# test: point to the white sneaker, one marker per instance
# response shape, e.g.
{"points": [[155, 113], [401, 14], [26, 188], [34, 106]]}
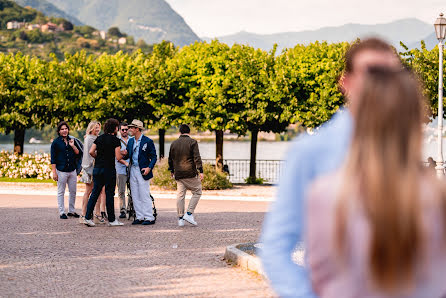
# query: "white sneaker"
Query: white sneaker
{"points": [[89, 223], [181, 222], [115, 223], [190, 219]]}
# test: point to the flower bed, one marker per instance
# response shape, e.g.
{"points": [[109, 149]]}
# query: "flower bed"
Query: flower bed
{"points": [[36, 166]]}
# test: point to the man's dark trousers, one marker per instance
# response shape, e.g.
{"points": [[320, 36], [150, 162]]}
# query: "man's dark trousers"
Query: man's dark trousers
{"points": [[103, 177]]}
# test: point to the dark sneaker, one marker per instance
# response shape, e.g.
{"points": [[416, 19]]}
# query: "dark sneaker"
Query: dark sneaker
{"points": [[74, 214], [122, 214], [63, 216], [137, 222], [148, 222]]}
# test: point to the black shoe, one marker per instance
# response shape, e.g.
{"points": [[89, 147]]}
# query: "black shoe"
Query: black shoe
{"points": [[137, 222], [148, 222], [104, 215], [74, 214], [122, 214], [63, 216]]}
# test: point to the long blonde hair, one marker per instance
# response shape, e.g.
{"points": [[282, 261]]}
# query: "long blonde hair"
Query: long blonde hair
{"points": [[384, 167], [91, 127]]}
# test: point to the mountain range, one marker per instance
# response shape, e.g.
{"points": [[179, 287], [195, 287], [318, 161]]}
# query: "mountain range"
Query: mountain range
{"points": [[150, 20], [409, 31], [49, 10]]}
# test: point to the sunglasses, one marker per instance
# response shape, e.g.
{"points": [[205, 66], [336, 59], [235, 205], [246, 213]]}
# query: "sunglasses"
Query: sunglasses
{"points": [[124, 129]]}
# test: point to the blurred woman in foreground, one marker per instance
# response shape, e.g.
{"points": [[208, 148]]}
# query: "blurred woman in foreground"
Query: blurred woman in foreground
{"points": [[376, 228]]}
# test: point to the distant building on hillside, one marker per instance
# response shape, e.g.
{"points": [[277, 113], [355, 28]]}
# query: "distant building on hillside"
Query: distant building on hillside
{"points": [[33, 26], [122, 40], [13, 25], [101, 34], [51, 27]]}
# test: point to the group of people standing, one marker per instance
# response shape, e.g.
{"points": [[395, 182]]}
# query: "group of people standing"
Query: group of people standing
{"points": [[107, 160]]}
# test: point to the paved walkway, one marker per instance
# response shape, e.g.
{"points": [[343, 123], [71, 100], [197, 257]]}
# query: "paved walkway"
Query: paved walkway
{"points": [[42, 255]]}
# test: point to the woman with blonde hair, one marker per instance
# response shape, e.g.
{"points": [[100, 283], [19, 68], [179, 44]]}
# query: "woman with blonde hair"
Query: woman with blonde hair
{"points": [[92, 132], [376, 227]]}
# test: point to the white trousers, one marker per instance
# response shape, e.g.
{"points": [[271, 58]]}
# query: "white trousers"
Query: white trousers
{"points": [[63, 179], [140, 189]]}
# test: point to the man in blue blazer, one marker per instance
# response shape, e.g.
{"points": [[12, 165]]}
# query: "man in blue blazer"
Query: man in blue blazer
{"points": [[142, 154]]}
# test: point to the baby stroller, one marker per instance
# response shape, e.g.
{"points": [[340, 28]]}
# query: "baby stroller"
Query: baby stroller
{"points": [[130, 210]]}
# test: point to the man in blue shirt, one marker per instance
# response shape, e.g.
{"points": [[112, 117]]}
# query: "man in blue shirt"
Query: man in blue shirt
{"points": [[122, 168], [309, 158], [63, 162]]}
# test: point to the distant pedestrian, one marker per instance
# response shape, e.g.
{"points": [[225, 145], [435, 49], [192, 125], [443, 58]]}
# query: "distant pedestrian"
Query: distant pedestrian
{"points": [[431, 164], [186, 167], [142, 155], [64, 152], [122, 168], [105, 149]]}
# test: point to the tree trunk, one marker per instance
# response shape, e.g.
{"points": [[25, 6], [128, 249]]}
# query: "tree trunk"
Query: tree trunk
{"points": [[19, 140], [252, 165], [162, 134], [219, 149]]}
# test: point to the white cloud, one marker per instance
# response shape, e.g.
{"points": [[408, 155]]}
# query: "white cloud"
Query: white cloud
{"points": [[213, 18]]}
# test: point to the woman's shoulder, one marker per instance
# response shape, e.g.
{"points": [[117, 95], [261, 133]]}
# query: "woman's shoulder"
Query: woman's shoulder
{"points": [[324, 189]]}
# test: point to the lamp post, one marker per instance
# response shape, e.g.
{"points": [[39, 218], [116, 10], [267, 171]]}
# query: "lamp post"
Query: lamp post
{"points": [[440, 31]]}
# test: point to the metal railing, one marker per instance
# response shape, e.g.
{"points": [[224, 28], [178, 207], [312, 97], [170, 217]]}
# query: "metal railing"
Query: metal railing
{"points": [[268, 170]]}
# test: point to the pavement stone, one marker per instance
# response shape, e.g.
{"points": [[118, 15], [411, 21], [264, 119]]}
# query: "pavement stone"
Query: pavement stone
{"points": [[42, 255]]}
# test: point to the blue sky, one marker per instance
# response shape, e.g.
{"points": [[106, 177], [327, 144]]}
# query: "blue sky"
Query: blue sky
{"points": [[213, 18]]}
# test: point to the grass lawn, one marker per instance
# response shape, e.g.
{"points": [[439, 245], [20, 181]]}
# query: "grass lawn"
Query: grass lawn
{"points": [[32, 180]]}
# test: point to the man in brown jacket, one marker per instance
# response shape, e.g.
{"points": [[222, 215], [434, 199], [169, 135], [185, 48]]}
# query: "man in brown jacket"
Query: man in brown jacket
{"points": [[187, 169]]}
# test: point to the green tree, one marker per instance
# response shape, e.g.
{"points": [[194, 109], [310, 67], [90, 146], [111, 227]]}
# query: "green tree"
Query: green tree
{"points": [[425, 64], [203, 70], [22, 82]]}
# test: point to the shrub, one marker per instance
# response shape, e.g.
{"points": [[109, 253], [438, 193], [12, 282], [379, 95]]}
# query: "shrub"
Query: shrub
{"points": [[254, 180], [26, 166], [213, 179]]}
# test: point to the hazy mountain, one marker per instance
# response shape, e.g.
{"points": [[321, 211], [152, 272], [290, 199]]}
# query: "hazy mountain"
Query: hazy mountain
{"points": [[407, 30], [48, 9], [151, 20], [430, 40]]}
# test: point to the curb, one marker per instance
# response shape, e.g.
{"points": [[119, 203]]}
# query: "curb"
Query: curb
{"points": [[244, 260]]}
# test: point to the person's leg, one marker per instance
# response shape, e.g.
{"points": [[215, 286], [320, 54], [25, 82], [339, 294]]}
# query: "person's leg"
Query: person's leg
{"points": [[145, 200], [61, 184], [122, 180], [88, 189], [72, 185], [134, 186], [98, 184], [103, 200], [181, 194], [195, 186], [110, 184]]}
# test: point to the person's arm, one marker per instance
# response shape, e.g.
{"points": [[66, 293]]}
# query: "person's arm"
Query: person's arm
{"points": [[118, 153], [151, 154], [197, 158], [170, 161], [53, 161], [73, 146], [93, 151], [283, 228]]}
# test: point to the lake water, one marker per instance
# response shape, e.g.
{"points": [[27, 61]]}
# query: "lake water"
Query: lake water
{"points": [[237, 150], [231, 149]]}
